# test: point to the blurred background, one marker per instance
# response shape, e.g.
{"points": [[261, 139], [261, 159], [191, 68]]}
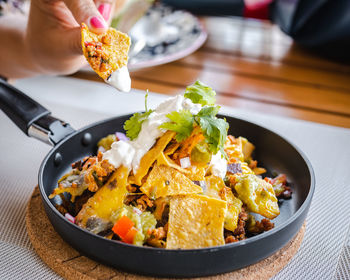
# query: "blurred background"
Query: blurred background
{"points": [[285, 57]]}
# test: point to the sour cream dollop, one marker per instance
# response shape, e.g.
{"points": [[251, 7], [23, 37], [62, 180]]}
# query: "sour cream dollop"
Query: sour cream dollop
{"points": [[121, 153], [120, 79], [218, 165], [130, 153]]}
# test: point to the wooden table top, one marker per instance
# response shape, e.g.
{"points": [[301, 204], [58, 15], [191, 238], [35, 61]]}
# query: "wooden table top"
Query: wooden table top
{"points": [[253, 65]]}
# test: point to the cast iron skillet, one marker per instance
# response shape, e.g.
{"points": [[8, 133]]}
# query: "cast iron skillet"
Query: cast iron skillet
{"points": [[272, 151]]}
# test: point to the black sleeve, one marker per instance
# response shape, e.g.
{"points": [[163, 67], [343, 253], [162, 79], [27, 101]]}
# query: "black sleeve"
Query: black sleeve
{"points": [[323, 25], [209, 7]]}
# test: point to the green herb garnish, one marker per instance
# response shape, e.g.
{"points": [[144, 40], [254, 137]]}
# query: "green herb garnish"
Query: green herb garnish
{"points": [[200, 93], [214, 129], [133, 125], [181, 123]]}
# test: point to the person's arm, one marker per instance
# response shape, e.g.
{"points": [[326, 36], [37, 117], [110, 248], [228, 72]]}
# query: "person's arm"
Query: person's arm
{"points": [[49, 43]]}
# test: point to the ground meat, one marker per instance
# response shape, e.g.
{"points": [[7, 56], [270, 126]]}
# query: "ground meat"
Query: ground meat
{"points": [[158, 233], [143, 202], [239, 233], [77, 165], [223, 192], [98, 59], [97, 173], [263, 225], [99, 156], [230, 239], [157, 236], [131, 188], [89, 162], [131, 199]]}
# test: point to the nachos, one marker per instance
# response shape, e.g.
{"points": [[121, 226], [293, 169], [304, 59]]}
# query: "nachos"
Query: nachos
{"points": [[105, 52], [176, 180]]}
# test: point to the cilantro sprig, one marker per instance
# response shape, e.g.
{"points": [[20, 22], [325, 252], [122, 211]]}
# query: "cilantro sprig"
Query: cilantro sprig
{"points": [[200, 93], [183, 122], [180, 122], [213, 128], [133, 125]]}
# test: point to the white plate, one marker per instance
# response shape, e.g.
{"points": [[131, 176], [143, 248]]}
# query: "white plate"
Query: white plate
{"points": [[168, 35]]}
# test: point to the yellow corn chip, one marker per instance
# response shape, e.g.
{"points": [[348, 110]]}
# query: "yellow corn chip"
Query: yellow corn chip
{"points": [[105, 52], [214, 185], [150, 157], [234, 207], [195, 221], [107, 199], [165, 181], [216, 188], [194, 173]]}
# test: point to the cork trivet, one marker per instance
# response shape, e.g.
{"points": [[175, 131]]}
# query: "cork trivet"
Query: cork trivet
{"points": [[70, 264]]}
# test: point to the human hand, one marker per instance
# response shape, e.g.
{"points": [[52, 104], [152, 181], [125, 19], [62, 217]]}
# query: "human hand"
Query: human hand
{"points": [[53, 38]]}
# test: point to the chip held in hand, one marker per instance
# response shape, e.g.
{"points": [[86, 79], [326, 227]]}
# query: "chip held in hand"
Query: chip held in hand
{"points": [[107, 54]]}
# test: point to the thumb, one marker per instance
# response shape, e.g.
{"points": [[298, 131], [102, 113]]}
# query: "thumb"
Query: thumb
{"points": [[86, 11]]}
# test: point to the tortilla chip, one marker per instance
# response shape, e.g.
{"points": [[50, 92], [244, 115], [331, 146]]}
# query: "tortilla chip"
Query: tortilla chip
{"points": [[150, 157], [194, 173], [245, 168], [165, 181], [172, 147], [233, 149], [216, 188], [234, 207], [196, 221], [105, 52], [214, 185], [107, 199]]}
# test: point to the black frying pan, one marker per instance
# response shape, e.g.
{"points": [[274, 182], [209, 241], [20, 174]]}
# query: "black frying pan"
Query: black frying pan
{"points": [[272, 151]]}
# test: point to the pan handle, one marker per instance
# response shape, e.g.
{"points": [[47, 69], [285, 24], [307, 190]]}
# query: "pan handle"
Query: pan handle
{"points": [[32, 118]]}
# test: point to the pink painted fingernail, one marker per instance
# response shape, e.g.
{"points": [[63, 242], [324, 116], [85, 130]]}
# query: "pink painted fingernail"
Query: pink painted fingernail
{"points": [[105, 10], [98, 23]]}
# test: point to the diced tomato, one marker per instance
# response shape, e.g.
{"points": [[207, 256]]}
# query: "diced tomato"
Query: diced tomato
{"points": [[130, 236], [89, 44], [123, 226], [267, 179]]}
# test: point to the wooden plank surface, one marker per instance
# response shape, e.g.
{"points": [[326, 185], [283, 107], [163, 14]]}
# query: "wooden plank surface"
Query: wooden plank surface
{"points": [[254, 66]]}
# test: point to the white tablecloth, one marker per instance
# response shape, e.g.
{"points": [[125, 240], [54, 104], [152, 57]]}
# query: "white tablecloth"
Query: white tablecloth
{"points": [[324, 253]]}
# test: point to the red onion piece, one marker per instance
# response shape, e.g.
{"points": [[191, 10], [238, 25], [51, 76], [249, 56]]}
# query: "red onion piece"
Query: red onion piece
{"points": [[185, 162], [234, 168], [121, 136], [70, 218], [202, 184]]}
